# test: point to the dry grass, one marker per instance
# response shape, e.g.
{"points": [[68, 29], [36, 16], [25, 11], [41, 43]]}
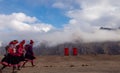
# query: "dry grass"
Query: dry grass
{"points": [[73, 64]]}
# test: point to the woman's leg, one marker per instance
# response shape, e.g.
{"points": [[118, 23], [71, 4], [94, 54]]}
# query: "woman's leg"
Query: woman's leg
{"points": [[14, 67], [24, 63], [32, 63], [4, 66]]}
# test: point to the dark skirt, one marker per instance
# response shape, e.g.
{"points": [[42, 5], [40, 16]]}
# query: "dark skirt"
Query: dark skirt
{"points": [[29, 57], [21, 58], [10, 59], [5, 60]]}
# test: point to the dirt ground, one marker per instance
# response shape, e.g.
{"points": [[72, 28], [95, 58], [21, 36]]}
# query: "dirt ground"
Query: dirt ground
{"points": [[72, 64]]}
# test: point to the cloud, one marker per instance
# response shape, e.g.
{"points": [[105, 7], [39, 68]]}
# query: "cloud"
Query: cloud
{"points": [[92, 11], [86, 17], [21, 26], [65, 4], [22, 22], [59, 5], [97, 13]]}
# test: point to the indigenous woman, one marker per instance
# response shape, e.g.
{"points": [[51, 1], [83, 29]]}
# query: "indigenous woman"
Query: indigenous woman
{"points": [[10, 59], [29, 55], [20, 52]]}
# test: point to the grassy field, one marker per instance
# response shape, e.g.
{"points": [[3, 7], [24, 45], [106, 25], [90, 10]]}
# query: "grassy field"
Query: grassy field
{"points": [[73, 64]]}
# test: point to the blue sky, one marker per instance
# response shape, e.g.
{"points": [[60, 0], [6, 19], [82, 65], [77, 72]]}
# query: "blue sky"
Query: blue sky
{"points": [[45, 13], [59, 21]]}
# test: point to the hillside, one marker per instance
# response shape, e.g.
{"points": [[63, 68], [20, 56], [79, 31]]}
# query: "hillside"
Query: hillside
{"points": [[111, 48]]}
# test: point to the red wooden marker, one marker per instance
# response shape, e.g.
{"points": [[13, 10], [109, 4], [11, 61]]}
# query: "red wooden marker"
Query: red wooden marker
{"points": [[75, 51], [66, 51]]}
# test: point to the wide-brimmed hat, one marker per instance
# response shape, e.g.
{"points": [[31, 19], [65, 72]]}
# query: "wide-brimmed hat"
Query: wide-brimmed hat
{"points": [[13, 42], [31, 41]]}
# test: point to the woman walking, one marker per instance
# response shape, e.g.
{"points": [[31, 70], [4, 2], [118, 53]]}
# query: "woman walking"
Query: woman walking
{"points": [[29, 55], [20, 53], [10, 58]]}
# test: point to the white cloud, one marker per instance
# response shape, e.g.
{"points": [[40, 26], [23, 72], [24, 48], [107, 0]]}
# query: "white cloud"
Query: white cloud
{"points": [[92, 12], [64, 4], [21, 26], [22, 22], [23, 18], [42, 27], [59, 5], [89, 16], [86, 17]]}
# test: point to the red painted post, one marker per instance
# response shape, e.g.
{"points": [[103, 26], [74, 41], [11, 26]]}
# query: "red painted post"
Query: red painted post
{"points": [[66, 51], [75, 51]]}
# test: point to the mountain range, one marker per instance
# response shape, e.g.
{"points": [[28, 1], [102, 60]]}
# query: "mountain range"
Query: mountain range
{"points": [[110, 48]]}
